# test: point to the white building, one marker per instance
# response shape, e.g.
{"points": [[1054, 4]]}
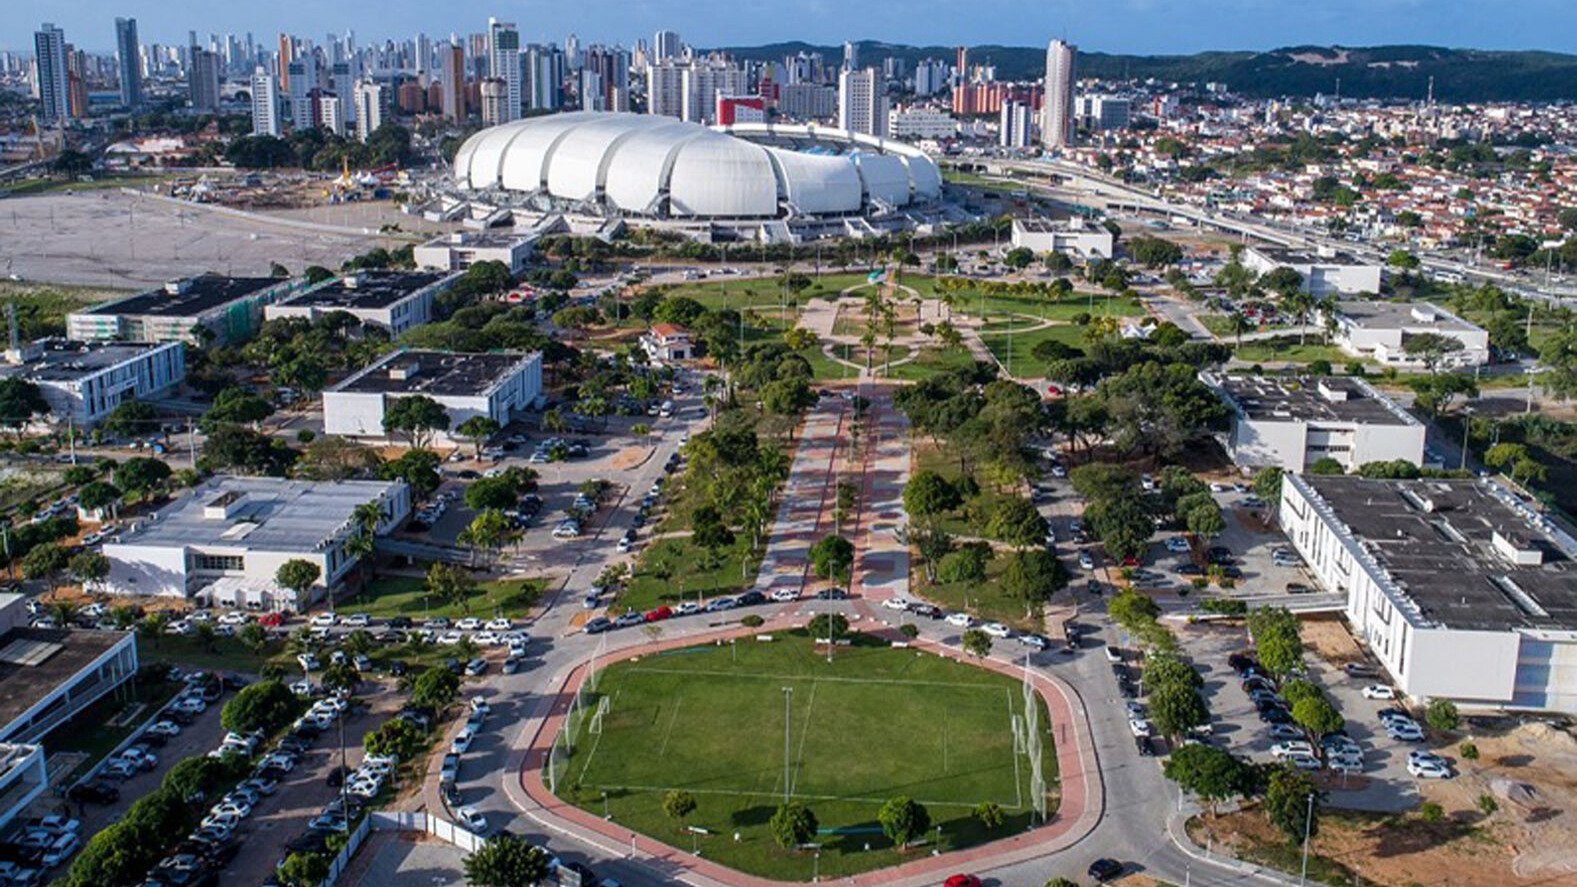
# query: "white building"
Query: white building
{"points": [[1074, 236], [227, 309], [330, 113], [393, 300], [462, 249], [807, 101], [1103, 112], [1292, 422], [503, 60], [84, 381], [921, 124], [1325, 272], [1459, 588], [48, 676], [1056, 120], [501, 386], [665, 89], [666, 342], [862, 102], [370, 102], [226, 541], [1381, 331], [265, 104], [1015, 129]]}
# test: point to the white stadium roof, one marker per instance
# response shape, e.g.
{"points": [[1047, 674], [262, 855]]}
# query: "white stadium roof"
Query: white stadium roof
{"points": [[644, 165]]}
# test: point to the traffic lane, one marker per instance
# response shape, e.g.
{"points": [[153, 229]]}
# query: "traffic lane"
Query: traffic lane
{"points": [[199, 738]]}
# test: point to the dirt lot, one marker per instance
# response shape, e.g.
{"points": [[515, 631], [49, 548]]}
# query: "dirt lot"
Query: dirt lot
{"points": [[1330, 640]]}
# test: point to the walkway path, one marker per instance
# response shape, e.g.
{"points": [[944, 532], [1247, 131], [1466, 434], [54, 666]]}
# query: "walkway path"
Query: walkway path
{"points": [[807, 495], [881, 566]]}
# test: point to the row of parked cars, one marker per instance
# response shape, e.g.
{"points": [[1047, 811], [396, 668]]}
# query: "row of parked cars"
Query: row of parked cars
{"points": [[966, 621], [41, 844]]}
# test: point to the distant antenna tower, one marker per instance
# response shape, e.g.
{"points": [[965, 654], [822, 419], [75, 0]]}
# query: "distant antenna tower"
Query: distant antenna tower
{"points": [[1338, 90], [1431, 90]]}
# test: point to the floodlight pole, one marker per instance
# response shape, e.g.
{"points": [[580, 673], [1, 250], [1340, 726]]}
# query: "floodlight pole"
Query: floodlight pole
{"points": [[1308, 822], [788, 699]]}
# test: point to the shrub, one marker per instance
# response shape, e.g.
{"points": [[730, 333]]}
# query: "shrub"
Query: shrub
{"points": [[1469, 751], [989, 813], [1441, 715], [1430, 811], [1487, 804], [909, 630], [752, 621]]}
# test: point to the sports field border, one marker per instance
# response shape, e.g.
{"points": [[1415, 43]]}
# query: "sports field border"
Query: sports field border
{"points": [[1081, 807]]}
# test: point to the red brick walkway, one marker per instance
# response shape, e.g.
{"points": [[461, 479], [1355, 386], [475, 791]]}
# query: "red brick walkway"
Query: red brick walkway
{"points": [[1081, 806]]}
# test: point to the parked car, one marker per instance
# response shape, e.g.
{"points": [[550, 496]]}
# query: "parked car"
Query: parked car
{"points": [[1378, 691]]}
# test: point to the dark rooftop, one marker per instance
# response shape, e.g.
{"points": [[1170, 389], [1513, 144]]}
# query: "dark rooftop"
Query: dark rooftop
{"points": [[1437, 540], [63, 361], [367, 290], [23, 686], [434, 373], [1286, 256], [191, 297], [1310, 399]]}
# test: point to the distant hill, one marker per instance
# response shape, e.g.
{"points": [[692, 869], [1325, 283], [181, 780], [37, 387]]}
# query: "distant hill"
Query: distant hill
{"points": [[1386, 72]]}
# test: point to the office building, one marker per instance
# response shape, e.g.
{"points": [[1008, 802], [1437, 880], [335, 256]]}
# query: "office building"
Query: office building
{"points": [[1291, 422], [224, 543], [862, 102], [851, 55], [921, 124], [701, 83], [452, 70], [394, 301], [83, 382], [1015, 128], [302, 75], [1381, 331], [503, 57], [265, 104], [128, 62], [494, 96], [1325, 272], [666, 47], [1104, 112], [665, 89], [328, 112], [733, 109], [807, 101], [1460, 589], [53, 80], [544, 77], [930, 77], [371, 98], [343, 83], [1056, 122], [77, 82], [228, 309], [1073, 236], [500, 386], [287, 54], [202, 81], [462, 249]]}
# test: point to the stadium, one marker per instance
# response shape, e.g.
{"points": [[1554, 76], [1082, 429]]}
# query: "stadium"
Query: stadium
{"points": [[748, 181]]}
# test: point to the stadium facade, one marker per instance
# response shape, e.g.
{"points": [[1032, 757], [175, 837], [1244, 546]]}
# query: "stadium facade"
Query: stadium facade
{"points": [[747, 181]]}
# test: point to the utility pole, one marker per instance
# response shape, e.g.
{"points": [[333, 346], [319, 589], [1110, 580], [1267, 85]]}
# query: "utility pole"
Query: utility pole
{"points": [[788, 700], [1308, 823]]}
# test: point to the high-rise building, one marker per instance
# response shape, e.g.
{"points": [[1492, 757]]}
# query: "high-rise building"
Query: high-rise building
{"points": [[328, 112], [807, 101], [1056, 120], [701, 84], [129, 62], [303, 76], [930, 77], [287, 54], [862, 102], [370, 101], [572, 52], [265, 103], [1014, 129], [961, 67], [343, 82], [851, 55], [544, 72], [77, 81], [503, 59], [52, 80], [665, 89], [202, 81], [666, 47], [453, 72], [612, 65], [494, 94]]}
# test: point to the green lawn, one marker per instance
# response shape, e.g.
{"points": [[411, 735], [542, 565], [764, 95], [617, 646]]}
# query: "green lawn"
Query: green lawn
{"points": [[931, 361], [825, 368], [671, 570], [1024, 362], [41, 309], [46, 186], [875, 723], [1286, 349], [222, 654], [1094, 304], [985, 600], [389, 596]]}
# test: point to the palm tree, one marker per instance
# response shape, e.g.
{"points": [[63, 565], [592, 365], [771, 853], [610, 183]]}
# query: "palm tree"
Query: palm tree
{"points": [[64, 613], [553, 422], [152, 626], [1240, 324], [1325, 309]]}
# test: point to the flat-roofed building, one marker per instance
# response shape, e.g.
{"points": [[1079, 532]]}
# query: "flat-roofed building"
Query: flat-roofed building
{"points": [[500, 386], [1291, 422], [1073, 236], [393, 300], [1382, 330], [84, 381], [23, 777], [1324, 272], [225, 541], [1462, 590], [229, 308], [461, 250]]}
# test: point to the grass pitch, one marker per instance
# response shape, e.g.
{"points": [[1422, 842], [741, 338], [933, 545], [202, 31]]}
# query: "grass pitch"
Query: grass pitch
{"points": [[875, 723]]}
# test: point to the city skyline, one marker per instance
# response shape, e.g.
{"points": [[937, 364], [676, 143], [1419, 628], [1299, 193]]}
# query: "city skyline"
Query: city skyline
{"points": [[1132, 26]]}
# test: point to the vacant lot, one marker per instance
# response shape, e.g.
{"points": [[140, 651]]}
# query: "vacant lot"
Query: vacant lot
{"points": [[874, 723]]}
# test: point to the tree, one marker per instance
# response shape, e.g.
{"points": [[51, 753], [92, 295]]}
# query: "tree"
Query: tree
{"points": [[140, 476], [1034, 576], [977, 643], [131, 418], [435, 688], [1435, 392], [1132, 610], [1018, 523], [303, 870], [1177, 708], [1327, 465], [417, 417], [708, 530], [88, 568], [832, 557], [1206, 521], [989, 814], [340, 677], [265, 705], [1123, 524], [46, 561], [1212, 774], [489, 530], [298, 575], [253, 636], [478, 429], [903, 819], [98, 496], [825, 625], [20, 401], [507, 861], [678, 804], [792, 825], [395, 738], [239, 406], [1431, 348], [1287, 803], [451, 584], [1317, 715], [1154, 252], [1441, 715], [419, 468], [1275, 634], [929, 495]]}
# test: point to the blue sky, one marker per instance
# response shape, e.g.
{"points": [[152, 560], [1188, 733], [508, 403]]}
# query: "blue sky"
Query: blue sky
{"points": [[1136, 26]]}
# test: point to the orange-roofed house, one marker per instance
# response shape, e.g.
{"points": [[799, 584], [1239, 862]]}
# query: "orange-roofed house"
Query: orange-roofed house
{"points": [[667, 341]]}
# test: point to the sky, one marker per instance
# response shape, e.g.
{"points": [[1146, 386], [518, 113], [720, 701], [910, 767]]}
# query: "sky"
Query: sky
{"points": [[1125, 26]]}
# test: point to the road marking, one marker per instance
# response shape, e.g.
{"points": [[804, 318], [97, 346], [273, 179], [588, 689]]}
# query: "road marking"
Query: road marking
{"points": [[668, 734]]}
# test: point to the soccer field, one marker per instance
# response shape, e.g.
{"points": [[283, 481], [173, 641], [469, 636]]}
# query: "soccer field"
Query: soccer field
{"points": [[875, 723]]}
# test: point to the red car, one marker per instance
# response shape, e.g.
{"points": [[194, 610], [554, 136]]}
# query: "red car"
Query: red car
{"points": [[962, 880], [271, 620], [1054, 390], [659, 614]]}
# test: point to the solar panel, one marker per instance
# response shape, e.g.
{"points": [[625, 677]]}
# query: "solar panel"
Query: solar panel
{"points": [[26, 651]]}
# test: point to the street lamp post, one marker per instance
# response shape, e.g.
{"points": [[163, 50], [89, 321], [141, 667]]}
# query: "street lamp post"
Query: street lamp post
{"points": [[788, 700], [1308, 823]]}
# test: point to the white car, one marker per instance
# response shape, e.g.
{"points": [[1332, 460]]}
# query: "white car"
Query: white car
{"points": [[1405, 732], [996, 630], [1140, 727], [784, 595], [961, 620], [324, 620], [462, 741], [1284, 731], [1303, 762], [478, 705], [896, 603], [358, 620], [473, 821], [1291, 747], [1425, 769], [450, 638], [487, 639], [469, 623], [1085, 561], [1177, 544], [60, 851], [165, 728], [500, 624], [1344, 764], [1378, 691], [234, 618]]}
